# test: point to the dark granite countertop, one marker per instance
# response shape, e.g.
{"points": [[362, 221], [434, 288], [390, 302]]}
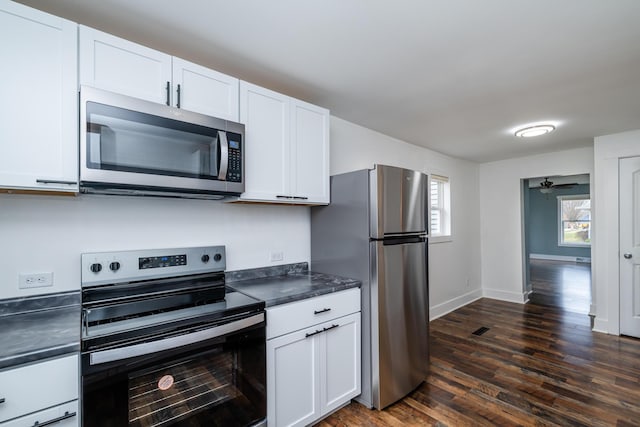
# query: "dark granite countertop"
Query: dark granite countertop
{"points": [[36, 328], [290, 285]]}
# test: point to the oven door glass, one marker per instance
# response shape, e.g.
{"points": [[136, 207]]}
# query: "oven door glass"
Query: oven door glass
{"points": [[218, 382], [122, 140]]}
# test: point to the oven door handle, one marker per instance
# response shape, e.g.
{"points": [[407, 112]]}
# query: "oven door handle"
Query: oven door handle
{"points": [[114, 354]]}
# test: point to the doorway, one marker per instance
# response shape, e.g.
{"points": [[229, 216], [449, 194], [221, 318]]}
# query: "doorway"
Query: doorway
{"points": [[557, 241]]}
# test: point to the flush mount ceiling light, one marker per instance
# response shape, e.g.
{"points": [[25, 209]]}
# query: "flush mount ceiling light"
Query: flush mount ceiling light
{"points": [[536, 130]]}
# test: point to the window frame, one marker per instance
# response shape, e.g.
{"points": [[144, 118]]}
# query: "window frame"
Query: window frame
{"points": [[560, 221], [444, 207]]}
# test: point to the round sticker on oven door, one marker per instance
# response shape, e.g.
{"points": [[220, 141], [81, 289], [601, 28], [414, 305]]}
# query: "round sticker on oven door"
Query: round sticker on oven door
{"points": [[165, 382]]}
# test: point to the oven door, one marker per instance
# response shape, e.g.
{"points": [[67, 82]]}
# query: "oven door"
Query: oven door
{"points": [[211, 376], [130, 142]]}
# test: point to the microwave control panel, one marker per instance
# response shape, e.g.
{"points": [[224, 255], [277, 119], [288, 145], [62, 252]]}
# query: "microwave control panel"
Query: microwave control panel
{"points": [[234, 170]]}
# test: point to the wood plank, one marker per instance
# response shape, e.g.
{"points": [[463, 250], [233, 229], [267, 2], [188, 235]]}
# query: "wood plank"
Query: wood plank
{"points": [[537, 365]]}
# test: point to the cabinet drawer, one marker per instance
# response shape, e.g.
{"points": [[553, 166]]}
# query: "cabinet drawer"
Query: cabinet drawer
{"points": [[298, 315], [60, 416], [42, 385]]}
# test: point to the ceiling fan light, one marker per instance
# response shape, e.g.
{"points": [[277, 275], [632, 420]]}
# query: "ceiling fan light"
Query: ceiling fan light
{"points": [[536, 130], [546, 190]]}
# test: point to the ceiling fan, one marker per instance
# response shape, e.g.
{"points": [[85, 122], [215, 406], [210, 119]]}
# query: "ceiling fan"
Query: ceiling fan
{"points": [[547, 186]]}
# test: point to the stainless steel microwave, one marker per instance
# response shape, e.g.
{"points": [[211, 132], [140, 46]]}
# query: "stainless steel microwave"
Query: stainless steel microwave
{"points": [[130, 146]]}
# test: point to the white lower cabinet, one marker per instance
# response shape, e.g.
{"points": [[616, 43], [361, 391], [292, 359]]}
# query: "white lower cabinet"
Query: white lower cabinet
{"points": [[313, 371], [40, 392]]}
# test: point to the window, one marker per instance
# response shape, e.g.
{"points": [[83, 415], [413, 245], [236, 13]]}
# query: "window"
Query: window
{"points": [[440, 207], [574, 220]]}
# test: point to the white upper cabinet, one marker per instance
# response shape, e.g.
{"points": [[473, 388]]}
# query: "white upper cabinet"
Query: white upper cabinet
{"points": [[310, 153], [206, 91], [117, 65], [287, 148], [266, 116], [39, 111]]}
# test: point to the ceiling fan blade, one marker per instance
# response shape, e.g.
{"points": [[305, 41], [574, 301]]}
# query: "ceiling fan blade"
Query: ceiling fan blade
{"points": [[565, 185]]}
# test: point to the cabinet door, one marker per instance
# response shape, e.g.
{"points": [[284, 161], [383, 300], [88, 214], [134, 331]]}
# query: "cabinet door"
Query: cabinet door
{"points": [[341, 362], [292, 379], [204, 90], [266, 117], [30, 388], [111, 63], [310, 152], [39, 109]]}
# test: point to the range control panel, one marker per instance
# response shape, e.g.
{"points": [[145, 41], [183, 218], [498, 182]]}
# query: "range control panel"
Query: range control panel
{"points": [[100, 268], [162, 261]]}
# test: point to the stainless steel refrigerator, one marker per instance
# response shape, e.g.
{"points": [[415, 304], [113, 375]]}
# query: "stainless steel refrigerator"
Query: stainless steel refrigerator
{"points": [[375, 230]]}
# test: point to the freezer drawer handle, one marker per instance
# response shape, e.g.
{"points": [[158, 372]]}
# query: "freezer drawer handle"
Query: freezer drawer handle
{"points": [[66, 415], [329, 328], [313, 333], [324, 310]]}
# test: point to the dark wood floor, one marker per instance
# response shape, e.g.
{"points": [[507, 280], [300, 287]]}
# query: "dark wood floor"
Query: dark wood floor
{"points": [[535, 366], [561, 284]]}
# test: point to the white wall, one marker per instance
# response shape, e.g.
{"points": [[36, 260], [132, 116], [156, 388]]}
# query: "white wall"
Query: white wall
{"points": [[48, 233], [607, 152], [501, 215], [454, 266]]}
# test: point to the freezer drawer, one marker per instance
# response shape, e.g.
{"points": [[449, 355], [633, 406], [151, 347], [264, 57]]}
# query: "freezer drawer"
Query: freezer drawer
{"points": [[400, 325], [398, 201]]}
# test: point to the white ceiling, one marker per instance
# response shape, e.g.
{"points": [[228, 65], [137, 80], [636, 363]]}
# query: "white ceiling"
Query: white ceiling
{"points": [[455, 76]]}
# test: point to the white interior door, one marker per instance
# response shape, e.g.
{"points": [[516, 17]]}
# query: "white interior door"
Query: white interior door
{"points": [[630, 246]]}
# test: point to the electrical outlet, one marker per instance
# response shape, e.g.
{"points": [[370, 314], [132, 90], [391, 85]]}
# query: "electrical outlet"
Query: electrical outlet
{"points": [[35, 280], [277, 256]]}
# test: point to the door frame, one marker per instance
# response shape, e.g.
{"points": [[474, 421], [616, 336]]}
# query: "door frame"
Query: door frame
{"points": [[524, 204], [608, 150]]}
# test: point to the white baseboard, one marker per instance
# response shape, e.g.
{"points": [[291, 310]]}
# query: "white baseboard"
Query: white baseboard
{"points": [[519, 297], [561, 258], [453, 304]]}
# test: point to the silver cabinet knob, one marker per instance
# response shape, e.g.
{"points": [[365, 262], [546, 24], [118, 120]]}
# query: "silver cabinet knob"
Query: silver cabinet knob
{"points": [[628, 256]]}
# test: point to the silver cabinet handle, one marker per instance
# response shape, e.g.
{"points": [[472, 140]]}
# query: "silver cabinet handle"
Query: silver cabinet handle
{"points": [[66, 415], [628, 256], [283, 197], [55, 181], [135, 350], [324, 310], [178, 91], [1, 399], [224, 155], [168, 93], [300, 197]]}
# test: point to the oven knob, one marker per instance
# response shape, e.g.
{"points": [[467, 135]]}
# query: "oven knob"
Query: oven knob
{"points": [[114, 266], [205, 258], [96, 267], [217, 257]]}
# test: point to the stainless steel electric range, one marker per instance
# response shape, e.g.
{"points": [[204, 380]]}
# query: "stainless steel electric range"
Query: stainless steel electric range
{"points": [[165, 343]]}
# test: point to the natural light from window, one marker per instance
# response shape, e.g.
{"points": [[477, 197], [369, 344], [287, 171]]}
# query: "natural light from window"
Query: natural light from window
{"points": [[574, 220], [440, 207]]}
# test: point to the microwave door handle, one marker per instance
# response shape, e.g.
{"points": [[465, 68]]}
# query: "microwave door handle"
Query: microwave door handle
{"points": [[224, 155], [111, 355]]}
